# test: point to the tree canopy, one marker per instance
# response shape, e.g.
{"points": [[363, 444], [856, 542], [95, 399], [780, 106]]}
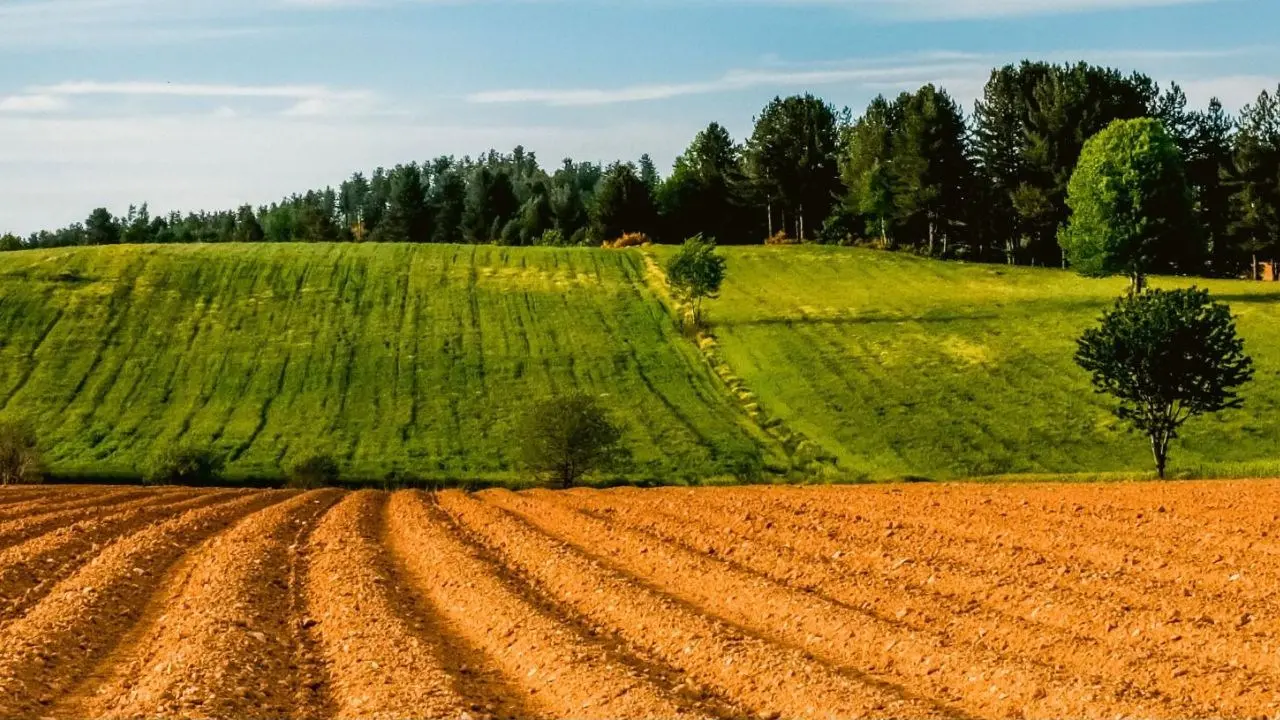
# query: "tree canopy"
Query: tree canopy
{"points": [[1167, 356], [1131, 210]]}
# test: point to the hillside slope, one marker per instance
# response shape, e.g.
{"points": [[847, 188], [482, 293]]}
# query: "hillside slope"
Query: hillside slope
{"points": [[416, 359], [903, 366]]}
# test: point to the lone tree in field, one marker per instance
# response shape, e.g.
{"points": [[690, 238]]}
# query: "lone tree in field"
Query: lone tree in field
{"points": [[1131, 207], [696, 273], [564, 438], [20, 462], [1168, 356]]}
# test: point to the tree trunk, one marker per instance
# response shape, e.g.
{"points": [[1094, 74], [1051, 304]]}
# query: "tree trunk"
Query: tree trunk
{"points": [[1137, 283], [769, 207], [931, 233], [1160, 451], [884, 234], [800, 234]]}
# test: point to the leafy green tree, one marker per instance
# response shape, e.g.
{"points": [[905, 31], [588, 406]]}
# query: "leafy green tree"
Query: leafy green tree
{"points": [[649, 174], [792, 158], [314, 471], [1167, 356], [622, 204], [1131, 207], [9, 242], [568, 437], [101, 228], [696, 273], [20, 459], [189, 465]]}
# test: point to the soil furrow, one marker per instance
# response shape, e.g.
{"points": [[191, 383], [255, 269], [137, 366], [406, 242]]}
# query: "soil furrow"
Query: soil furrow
{"points": [[29, 570], [45, 652], [49, 508], [765, 677], [565, 671], [384, 657], [1067, 672], [227, 648], [1199, 632]]}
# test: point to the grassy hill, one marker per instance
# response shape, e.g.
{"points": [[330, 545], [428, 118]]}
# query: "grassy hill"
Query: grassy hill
{"points": [[410, 358], [420, 359], [902, 366]]}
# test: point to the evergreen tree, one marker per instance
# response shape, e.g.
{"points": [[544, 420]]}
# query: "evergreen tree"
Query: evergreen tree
{"points": [[792, 157], [622, 204], [247, 227], [1255, 179], [491, 204]]}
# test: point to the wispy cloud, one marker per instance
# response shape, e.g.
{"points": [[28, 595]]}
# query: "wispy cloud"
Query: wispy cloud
{"points": [[962, 73], [144, 88], [31, 103]]}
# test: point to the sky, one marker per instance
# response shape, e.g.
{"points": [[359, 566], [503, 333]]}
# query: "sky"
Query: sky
{"points": [[210, 104]]}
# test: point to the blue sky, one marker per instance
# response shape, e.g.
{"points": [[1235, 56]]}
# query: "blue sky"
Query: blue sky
{"points": [[193, 104]]}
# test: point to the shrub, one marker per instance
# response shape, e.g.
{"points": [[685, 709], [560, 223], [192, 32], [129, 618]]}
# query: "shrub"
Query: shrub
{"points": [[551, 238], [315, 471], [780, 238], [630, 240], [564, 438], [195, 466], [20, 462]]}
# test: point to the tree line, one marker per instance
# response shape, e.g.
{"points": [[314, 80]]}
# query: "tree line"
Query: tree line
{"points": [[915, 173]]}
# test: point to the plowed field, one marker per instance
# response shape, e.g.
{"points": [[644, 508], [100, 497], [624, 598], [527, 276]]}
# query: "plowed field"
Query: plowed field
{"points": [[1153, 600]]}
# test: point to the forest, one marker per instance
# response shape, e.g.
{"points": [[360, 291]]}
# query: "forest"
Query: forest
{"points": [[914, 173]]}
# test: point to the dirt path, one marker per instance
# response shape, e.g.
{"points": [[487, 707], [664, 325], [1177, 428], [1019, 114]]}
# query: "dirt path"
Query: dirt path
{"points": [[227, 648], [47, 651], [564, 671]]}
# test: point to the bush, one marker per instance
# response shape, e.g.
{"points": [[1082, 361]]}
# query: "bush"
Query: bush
{"points": [[551, 238], [566, 438], [630, 240], [780, 238], [20, 462], [193, 466], [315, 471]]}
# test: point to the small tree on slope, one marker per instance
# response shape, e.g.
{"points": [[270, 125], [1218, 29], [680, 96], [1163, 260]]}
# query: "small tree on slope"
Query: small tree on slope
{"points": [[1168, 356], [696, 273]]}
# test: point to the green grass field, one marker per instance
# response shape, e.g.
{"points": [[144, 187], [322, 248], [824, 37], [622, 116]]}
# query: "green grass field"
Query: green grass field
{"points": [[901, 366], [416, 359], [421, 359]]}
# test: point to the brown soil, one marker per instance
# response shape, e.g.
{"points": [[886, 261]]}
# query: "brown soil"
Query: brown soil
{"points": [[1090, 601]]}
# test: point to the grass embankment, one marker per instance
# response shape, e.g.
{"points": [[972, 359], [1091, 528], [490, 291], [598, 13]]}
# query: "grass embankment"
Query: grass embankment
{"points": [[409, 359], [904, 367]]}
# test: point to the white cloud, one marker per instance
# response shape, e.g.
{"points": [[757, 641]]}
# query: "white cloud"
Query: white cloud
{"points": [[1235, 91], [32, 103]]}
